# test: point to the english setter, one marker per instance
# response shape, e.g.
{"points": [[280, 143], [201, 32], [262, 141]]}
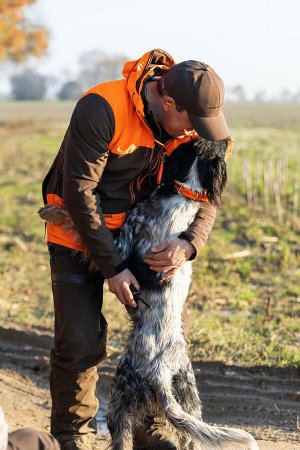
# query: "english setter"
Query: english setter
{"points": [[154, 376]]}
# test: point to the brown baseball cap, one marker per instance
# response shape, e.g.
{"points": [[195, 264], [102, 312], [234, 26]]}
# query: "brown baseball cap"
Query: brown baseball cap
{"points": [[197, 88]]}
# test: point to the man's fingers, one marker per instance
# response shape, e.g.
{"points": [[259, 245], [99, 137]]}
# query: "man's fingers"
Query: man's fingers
{"points": [[162, 268], [162, 258], [135, 283], [170, 257], [128, 295], [124, 295], [164, 262], [119, 292], [120, 296], [154, 257], [159, 263], [119, 285], [160, 247], [169, 274]]}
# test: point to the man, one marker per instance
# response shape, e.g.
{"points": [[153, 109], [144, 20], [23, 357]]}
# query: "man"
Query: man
{"points": [[111, 157]]}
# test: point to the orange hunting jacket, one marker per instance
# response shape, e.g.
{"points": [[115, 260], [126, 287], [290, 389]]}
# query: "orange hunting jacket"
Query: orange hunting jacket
{"points": [[110, 159]]}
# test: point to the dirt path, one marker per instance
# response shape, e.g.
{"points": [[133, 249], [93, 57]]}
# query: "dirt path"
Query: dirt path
{"points": [[263, 401]]}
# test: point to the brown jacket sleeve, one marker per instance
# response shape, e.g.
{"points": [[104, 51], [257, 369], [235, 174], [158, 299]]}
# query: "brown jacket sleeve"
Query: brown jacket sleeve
{"points": [[197, 233], [86, 152]]}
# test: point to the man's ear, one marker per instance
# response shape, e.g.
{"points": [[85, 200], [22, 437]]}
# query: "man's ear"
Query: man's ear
{"points": [[168, 102]]}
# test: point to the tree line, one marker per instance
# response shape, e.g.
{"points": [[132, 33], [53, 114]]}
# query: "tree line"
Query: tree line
{"points": [[95, 67], [20, 39]]}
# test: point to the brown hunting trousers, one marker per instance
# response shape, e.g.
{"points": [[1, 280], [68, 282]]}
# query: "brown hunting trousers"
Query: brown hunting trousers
{"points": [[79, 343]]}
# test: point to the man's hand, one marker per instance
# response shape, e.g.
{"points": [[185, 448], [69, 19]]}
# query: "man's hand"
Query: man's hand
{"points": [[169, 255], [119, 285]]}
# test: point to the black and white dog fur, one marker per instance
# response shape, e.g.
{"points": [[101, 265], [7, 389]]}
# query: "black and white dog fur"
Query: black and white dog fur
{"points": [[154, 376]]}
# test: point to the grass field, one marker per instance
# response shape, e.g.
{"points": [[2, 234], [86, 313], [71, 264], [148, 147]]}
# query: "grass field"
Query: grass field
{"points": [[244, 301]]}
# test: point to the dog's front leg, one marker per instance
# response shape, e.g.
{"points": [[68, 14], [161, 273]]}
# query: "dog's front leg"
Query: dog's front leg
{"points": [[122, 406], [119, 426]]}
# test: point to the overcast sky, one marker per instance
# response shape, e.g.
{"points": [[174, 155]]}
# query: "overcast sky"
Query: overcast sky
{"points": [[254, 43]]}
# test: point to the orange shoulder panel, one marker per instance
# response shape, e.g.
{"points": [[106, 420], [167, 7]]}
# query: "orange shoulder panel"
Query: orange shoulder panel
{"points": [[130, 131]]}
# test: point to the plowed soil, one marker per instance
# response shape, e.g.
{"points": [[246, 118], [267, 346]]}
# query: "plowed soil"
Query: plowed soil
{"points": [[264, 401]]}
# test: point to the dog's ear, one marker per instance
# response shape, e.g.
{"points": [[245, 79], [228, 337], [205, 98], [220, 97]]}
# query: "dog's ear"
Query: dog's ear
{"points": [[212, 167], [210, 149], [178, 164]]}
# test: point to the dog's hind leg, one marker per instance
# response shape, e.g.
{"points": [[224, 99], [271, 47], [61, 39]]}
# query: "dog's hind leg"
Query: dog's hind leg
{"points": [[185, 389], [193, 430], [186, 394]]}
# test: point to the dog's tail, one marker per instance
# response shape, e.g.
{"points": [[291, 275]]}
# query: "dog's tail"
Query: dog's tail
{"points": [[201, 433]]}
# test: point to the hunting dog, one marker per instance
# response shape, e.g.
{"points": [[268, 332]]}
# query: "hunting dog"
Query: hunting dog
{"points": [[154, 376]]}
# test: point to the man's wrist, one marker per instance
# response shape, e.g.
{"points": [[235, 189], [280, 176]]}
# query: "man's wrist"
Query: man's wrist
{"points": [[189, 248]]}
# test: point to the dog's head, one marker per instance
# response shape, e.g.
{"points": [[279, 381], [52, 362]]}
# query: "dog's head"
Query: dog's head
{"points": [[201, 163]]}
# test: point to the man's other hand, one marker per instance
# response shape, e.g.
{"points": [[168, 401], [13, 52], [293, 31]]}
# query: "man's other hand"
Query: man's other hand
{"points": [[119, 285], [169, 256]]}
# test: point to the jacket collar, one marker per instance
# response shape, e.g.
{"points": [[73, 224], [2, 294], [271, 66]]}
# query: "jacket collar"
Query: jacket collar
{"points": [[137, 72]]}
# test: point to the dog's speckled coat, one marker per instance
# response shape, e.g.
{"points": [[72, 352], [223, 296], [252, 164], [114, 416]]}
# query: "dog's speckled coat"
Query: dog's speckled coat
{"points": [[155, 375]]}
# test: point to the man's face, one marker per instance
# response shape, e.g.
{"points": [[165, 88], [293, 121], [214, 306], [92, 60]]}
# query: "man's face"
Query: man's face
{"points": [[176, 124]]}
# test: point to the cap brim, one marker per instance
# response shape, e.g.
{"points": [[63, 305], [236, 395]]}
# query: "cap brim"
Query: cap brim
{"points": [[210, 128]]}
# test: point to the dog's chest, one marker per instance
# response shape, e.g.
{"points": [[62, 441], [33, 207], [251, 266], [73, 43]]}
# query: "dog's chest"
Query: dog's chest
{"points": [[162, 219], [180, 214]]}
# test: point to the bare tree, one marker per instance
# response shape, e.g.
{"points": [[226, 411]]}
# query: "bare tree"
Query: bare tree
{"points": [[285, 96], [29, 85], [237, 93], [260, 96], [296, 97], [70, 90], [96, 67]]}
